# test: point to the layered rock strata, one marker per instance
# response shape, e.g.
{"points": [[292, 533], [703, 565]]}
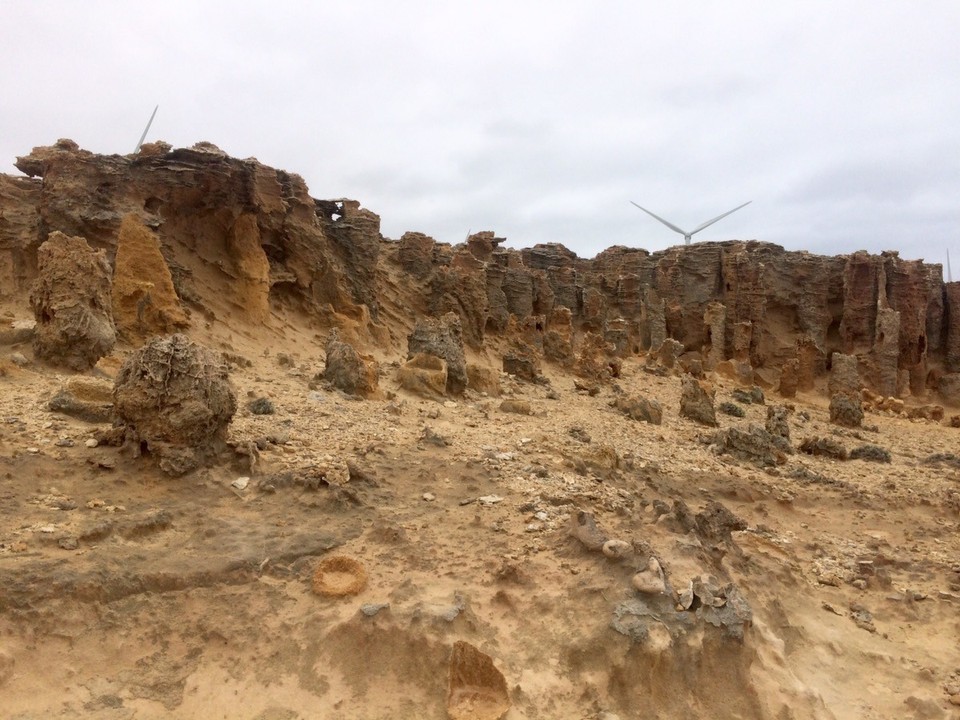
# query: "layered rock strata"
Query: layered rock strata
{"points": [[265, 242]]}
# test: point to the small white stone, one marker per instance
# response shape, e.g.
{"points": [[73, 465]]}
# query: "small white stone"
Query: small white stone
{"points": [[33, 450], [241, 483], [92, 443], [489, 499], [449, 404], [47, 425], [429, 497]]}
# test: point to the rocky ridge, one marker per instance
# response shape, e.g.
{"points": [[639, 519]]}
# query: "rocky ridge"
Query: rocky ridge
{"points": [[746, 308]]}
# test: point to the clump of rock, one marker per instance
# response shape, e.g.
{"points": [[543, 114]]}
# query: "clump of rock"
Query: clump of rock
{"points": [[173, 400], [651, 579], [753, 445], [871, 453], [145, 302], [522, 363], [261, 406], [349, 371], [846, 410], [696, 401], [477, 690], [516, 406], [732, 409], [846, 405], [752, 396], [425, 375], [71, 302], [825, 447], [640, 408], [442, 338], [777, 421], [483, 379]]}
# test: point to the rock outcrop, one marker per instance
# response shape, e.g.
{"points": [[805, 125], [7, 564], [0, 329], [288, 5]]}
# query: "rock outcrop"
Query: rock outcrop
{"points": [[697, 401], [144, 300], [443, 338], [745, 308], [173, 399], [71, 302], [347, 370]]}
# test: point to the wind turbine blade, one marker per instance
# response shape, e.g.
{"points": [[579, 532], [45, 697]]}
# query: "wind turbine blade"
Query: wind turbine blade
{"points": [[708, 223], [146, 130], [665, 222]]}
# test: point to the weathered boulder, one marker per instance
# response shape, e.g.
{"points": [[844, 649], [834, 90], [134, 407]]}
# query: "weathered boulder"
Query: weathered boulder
{"points": [[19, 331], [641, 408], [144, 300], [347, 370], [871, 453], [753, 444], [668, 353], [824, 446], [558, 337], [522, 363], [697, 401], [425, 375], [415, 254], [443, 338], [71, 302], [174, 400], [777, 421], [789, 378], [846, 410]]}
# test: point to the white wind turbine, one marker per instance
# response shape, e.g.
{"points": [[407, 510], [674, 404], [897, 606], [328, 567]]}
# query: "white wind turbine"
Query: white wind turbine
{"points": [[688, 235]]}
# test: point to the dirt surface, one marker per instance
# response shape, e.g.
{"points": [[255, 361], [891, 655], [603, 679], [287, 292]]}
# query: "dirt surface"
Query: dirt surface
{"points": [[130, 594]]}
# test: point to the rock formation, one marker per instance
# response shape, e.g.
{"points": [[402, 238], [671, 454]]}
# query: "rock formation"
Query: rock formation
{"points": [[144, 300], [71, 302], [743, 308], [173, 399], [347, 370], [442, 338], [696, 401]]}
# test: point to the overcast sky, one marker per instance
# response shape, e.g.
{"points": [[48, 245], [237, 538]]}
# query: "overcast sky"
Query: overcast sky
{"points": [[538, 120]]}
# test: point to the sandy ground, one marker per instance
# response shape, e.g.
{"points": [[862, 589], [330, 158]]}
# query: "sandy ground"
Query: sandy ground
{"points": [[129, 594]]}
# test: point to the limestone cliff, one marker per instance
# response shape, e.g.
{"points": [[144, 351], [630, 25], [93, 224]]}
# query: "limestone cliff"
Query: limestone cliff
{"points": [[243, 238]]}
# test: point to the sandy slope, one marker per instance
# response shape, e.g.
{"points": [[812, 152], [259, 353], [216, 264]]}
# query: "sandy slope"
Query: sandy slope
{"points": [[187, 598]]}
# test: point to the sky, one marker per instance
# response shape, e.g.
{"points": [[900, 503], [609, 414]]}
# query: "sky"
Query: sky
{"points": [[541, 121]]}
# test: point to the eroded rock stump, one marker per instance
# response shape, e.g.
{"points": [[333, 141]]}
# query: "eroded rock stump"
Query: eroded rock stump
{"points": [[174, 400]]}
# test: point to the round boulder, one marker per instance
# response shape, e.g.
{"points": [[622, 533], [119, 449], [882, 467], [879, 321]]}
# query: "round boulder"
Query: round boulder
{"points": [[174, 400]]}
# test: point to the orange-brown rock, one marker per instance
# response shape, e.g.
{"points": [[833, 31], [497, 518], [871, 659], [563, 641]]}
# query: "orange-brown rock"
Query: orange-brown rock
{"points": [[349, 371], [144, 300]]}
